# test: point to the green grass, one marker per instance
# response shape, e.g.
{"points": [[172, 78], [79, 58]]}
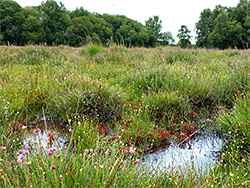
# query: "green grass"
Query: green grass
{"points": [[115, 98]]}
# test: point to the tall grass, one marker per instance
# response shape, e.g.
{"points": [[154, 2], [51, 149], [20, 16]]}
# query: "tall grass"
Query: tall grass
{"points": [[114, 99]]}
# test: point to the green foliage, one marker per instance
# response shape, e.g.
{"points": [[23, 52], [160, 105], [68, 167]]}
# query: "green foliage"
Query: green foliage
{"points": [[55, 21], [94, 49], [184, 37], [50, 23], [236, 123], [166, 38], [11, 19], [204, 27], [32, 27], [226, 34], [154, 25], [79, 32], [224, 27]]}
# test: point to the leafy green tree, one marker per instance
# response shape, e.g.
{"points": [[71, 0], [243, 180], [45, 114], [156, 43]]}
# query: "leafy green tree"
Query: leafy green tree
{"points": [[103, 32], [184, 37], [130, 33], [55, 20], [166, 38], [32, 26], [79, 32], [247, 28], [79, 12], [154, 26], [218, 37], [204, 27], [115, 21], [227, 33], [143, 37], [11, 20]]}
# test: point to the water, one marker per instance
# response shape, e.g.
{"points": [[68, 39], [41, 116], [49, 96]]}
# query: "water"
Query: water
{"points": [[60, 136], [199, 154]]}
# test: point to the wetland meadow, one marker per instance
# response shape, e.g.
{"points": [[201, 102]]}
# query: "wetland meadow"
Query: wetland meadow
{"points": [[111, 116]]}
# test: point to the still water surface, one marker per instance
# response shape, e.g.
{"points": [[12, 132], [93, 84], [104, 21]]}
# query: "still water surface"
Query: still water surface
{"points": [[200, 154]]}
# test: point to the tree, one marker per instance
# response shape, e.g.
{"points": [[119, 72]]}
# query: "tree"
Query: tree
{"points": [[32, 26], [227, 33], [154, 26], [114, 21], [130, 33], [103, 32], [218, 37], [79, 32], [247, 27], [55, 21], [143, 37], [184, 37], [79, 12], [11, 19], [166, 38], [204, 27]]}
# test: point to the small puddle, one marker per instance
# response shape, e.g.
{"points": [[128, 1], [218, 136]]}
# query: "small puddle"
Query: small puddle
{"points": [[59, 134], [199, 154]]}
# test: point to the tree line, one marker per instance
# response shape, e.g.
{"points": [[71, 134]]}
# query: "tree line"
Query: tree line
{"points": [[50, 23], [225, 27]]}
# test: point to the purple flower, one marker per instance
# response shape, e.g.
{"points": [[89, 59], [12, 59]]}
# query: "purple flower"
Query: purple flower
{"points": [[45, 76], [131, 150], [234, 107], [5, 112], [3, 148], [96, 163], [36, 131], [125, 151], [49, 151], [108, 151], [54, 133], [137, 161], [20, 158], [25, 151], [19, 108], [53, 167], [60, 177], [55, 80]]}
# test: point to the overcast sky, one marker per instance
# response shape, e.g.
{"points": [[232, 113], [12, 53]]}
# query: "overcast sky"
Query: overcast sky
{"points": [[173, 13]]}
